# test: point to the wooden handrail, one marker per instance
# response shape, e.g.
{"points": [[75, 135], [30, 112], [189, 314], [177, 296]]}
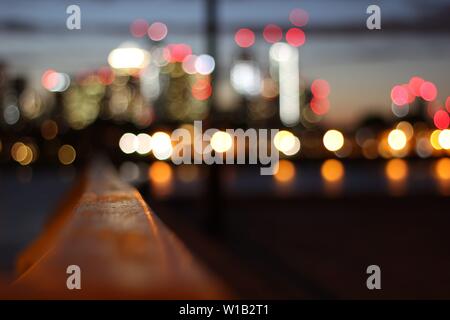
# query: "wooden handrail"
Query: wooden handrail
{"points": [[121, 247]]}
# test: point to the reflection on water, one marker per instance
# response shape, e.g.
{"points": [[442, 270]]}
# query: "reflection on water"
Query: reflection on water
{"points": [[442, 175], [396, 172], [332, 172]]}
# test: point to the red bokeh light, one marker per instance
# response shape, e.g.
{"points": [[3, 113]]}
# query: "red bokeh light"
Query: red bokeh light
{"points": [[320, 88], [157, 31], [201, 89], [441, 119], [414, 85], [139, 28], [272, 33], [295, 37], [447, 104], [411, 96], [105, 75], [320, 106], [177, 52], [428, 91], [244, 38], [400, 95], [49, 79], [298, 17]]}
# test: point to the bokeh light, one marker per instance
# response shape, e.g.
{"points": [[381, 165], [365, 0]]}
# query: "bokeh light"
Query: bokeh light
{"points": [[320, 88], [128, 58], [286, 142], [333, 140], [399, 95], [434, 139], [442, 169], [55, 81], [397, 139], [320, 106], [245, 78], [160, 172], [298, 17], [23, 153], [128, 143], [144, 143], [244, 37], [205, 64], [221, 141], [177, 52], [414, 85], [161, 145], [400, 111], [189, 64], [332, 170], [66, 154], [286, 171], [49, 129], [428, 91], [295, 37], [138, 28], [129, 171], [396, 169], [424, 149], [11, 114], [201, 89], [444, 139], [272, 33], [157, 31], [441, 119], [407, 129]]}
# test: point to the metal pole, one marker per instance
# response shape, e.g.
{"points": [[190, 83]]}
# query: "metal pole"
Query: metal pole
{"points": [[214, 219]]}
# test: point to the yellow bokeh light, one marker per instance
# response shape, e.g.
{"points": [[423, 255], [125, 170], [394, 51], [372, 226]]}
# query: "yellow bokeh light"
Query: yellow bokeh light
{"points": [[396, 169], [444, 139], [407, 129], [286, 171], [434, 140], [333, 140], [28, 157], [66, 154], [286, 142], [283, 140], [221, 141], [442, 169], [397, 139], [160, 172], [18, 151], [332, 170]]}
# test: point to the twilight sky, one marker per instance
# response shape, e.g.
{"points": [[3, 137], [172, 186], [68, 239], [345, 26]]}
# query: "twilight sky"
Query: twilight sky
{"points": [[360, 65]]}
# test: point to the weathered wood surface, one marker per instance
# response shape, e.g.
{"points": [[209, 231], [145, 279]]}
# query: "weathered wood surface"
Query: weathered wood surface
{"points": [[122, 248]]}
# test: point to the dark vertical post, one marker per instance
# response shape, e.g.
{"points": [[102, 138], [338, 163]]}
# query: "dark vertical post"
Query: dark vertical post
{"points": [[211, 29], [214, 219]]}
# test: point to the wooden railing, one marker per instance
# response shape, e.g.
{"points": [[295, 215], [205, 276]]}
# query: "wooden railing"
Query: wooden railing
{"points": [[122, 249]]}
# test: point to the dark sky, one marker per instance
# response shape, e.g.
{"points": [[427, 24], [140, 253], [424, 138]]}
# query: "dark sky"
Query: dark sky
{"points": [[360, 65]]}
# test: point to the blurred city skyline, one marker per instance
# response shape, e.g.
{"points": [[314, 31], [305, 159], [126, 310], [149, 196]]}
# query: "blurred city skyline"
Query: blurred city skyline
{"points": [[413, 41]]}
